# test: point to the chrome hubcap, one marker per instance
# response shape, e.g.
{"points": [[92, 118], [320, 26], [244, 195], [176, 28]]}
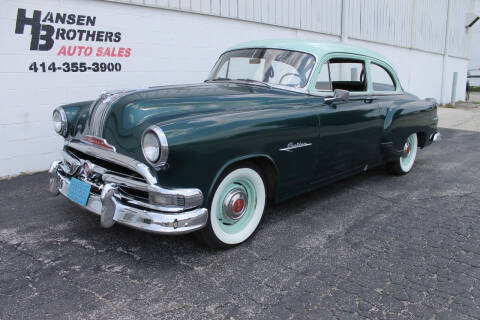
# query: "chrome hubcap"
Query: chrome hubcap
{"points": [[406, 149], [235, 203]]}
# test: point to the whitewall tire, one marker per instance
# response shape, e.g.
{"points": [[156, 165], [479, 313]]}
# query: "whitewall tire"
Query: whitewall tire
{"points": [[405, 162], [236, 207]]}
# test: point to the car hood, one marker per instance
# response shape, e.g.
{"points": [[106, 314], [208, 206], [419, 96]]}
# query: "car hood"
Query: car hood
{"points": [[162, 105], [135, 111]]}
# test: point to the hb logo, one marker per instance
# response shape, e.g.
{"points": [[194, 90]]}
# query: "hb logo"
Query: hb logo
{"points": [[42, 34]]}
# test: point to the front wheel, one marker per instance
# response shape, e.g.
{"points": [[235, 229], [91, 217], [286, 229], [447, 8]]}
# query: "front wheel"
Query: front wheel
{"points": [[236, 208], [405, 162]]}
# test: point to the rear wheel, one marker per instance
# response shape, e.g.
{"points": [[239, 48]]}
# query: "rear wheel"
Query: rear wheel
{"points": [[236, 208], [405, 162]]}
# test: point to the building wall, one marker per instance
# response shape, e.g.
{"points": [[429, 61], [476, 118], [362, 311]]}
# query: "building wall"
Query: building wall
{"points": [[474, 64], [417, 24], [180, 46]]}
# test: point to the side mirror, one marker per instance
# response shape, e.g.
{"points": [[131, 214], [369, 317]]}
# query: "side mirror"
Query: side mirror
{"points": [[338, 95]]}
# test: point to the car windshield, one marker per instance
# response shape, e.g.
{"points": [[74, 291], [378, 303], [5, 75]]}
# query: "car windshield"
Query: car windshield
{"points": [[271, 66]]}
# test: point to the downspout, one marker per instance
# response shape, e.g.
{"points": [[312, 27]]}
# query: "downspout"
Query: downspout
{"points": [[445, 52], [343, 32]]}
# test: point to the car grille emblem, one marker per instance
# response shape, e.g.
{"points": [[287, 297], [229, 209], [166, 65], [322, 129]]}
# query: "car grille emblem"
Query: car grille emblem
{"points": [[99, 142]]}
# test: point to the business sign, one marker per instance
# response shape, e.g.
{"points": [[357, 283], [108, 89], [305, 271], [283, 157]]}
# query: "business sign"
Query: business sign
{"points": [[74, 37]]}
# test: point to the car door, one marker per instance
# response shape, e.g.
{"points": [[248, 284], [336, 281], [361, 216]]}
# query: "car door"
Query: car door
{"points": [[350, 130]]}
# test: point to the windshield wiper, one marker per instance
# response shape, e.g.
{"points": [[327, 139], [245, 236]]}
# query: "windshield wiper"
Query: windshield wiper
{"points": [[261, 83], [244, 81], [218, 79]]}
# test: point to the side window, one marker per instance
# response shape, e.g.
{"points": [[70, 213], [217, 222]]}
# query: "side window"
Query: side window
{"points": [[348, 74], [381, 78], [342, 73], [323, 80], [346, 71]]}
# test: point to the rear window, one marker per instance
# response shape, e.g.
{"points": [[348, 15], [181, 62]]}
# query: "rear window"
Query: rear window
{"points": [[382, 80]]}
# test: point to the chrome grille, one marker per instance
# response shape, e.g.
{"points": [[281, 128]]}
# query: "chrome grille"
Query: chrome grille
{"points": [[75, 158], [109, 166], [180, 201]]}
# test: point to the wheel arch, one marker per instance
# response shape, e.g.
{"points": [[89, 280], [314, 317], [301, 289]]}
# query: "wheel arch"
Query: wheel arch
{"points": [[269, 171], [422, 138]]}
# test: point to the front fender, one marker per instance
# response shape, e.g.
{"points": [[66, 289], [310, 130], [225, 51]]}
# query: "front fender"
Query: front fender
{"points": [[202, 148], [234, 161], [77, 116]]}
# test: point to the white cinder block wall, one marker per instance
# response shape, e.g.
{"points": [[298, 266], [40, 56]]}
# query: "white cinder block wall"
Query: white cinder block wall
{"points": [[166, 47]]}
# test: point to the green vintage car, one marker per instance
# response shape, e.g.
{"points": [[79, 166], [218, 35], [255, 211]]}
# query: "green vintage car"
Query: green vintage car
{"points": [[272, 120]]}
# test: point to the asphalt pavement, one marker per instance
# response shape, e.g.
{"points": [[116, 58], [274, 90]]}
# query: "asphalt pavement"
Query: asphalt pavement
{"points": [[373, 246]]}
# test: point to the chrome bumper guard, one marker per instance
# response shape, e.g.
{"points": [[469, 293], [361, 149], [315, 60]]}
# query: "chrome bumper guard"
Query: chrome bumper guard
{"points": [[435, 137], [113, 205]]}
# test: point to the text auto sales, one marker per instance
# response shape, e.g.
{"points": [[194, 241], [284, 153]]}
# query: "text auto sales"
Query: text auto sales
{"points": [[44, 34]]}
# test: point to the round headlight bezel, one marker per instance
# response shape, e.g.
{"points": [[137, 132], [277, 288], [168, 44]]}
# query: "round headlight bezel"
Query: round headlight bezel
{"points": [[63, 121], [163, 146]]}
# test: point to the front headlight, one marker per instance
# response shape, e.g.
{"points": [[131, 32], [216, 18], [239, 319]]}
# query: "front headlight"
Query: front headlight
{"points": [[155, 146], [59, 119], [151, 146]]}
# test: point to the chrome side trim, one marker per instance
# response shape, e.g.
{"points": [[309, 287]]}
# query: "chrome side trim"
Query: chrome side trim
{"points": [[292, 146]]}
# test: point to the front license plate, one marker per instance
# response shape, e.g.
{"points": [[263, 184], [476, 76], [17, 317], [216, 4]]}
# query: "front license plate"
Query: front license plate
{"points": [[79, 191]]}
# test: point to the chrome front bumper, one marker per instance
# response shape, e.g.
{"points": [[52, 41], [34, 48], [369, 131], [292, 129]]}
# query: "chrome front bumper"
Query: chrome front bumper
{"points": [[107, 200]]}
